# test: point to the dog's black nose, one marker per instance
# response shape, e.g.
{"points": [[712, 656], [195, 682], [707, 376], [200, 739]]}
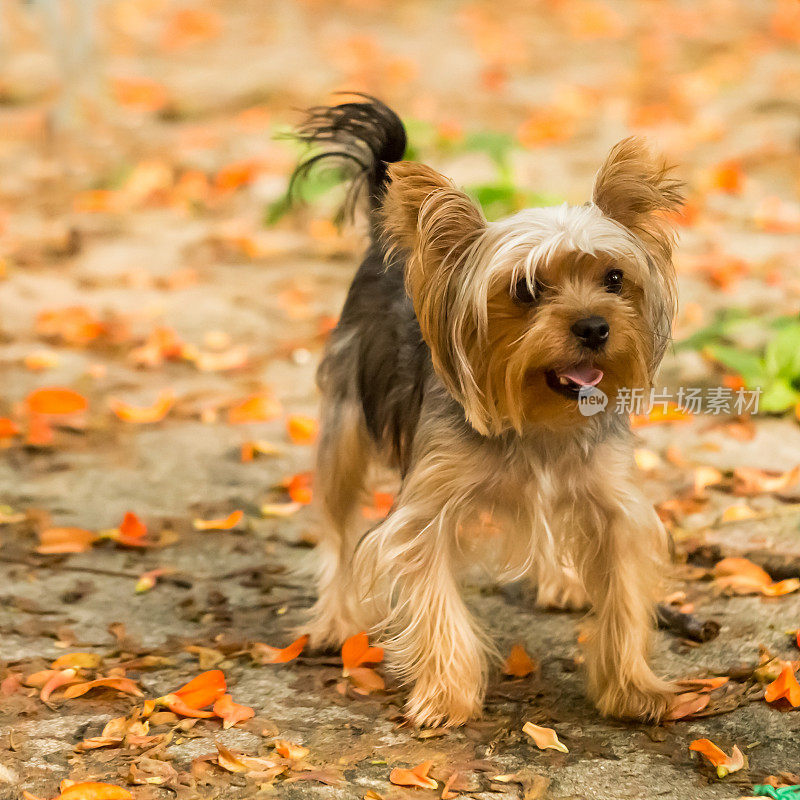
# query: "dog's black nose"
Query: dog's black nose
{"points": [[592, 331]]}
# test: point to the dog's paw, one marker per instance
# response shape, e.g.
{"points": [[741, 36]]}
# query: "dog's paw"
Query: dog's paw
{"points": [[646, 700], [430, 707], [564, 592]]}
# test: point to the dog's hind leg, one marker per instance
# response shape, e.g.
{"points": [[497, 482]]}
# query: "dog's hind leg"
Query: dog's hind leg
{"points": [[342, 462]]}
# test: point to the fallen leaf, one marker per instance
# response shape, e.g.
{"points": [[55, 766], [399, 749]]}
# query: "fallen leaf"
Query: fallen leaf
{"points": [[77, 661], [265, 654], [299, 488], [544, 738], [132, 527], [784, 687], [94, 791], [200, 692], [418, 776], [280, 510], [253, 448], [717, 758], [8, 428], [704, 684], [518, 664], [295, 752], [751, 481], [742, 576], [256, 408], [231, 713], [737, 513], [54, 541], [225, 524], [124, 685], [302, 429], [686, 704], [142, 415], [56, 401], [139, 94], [57, 679], [366, 680], [147, 580], [357, 651], [239, 762], [449, 783]]}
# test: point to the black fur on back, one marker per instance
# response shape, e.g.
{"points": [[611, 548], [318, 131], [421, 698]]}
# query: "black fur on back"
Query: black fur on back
{"points": [[376, 356]]}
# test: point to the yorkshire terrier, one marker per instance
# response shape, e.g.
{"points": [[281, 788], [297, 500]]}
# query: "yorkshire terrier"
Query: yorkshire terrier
{"points": [[460, 359]]}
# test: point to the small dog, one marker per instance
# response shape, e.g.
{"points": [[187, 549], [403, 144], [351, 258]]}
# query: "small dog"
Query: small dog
{"points": [[459, 359]]}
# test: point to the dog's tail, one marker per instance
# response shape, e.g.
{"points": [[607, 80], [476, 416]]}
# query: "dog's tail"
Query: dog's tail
{"points": [[361, 139]]}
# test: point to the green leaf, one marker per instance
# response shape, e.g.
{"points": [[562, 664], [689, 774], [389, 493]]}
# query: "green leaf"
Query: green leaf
{"points": [[782, 355], [779, 396], [742, 362], [495, 144]]}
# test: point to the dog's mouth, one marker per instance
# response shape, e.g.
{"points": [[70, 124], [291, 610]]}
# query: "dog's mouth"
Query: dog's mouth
{"points": [[569, 381]]}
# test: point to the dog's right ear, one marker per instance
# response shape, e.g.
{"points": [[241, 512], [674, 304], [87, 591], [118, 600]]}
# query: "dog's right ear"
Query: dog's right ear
{"points": [[425, 217]]}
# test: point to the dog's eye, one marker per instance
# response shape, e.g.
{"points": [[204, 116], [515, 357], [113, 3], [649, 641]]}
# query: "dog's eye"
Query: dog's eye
{"points": [[613, 281], [523, 293]]}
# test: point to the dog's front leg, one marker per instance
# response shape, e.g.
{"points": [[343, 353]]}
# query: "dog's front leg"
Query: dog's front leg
{"points": [[621, 556], [409, 563]]}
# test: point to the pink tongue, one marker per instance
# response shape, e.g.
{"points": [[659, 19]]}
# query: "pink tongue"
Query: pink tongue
{"points": [[583, 376]]}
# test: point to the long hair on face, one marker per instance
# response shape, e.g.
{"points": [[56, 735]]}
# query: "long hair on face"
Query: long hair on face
{"points": [[460, 269]]}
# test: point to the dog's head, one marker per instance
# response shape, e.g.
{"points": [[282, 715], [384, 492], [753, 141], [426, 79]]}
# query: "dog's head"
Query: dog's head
{"points": [[521, 314]]}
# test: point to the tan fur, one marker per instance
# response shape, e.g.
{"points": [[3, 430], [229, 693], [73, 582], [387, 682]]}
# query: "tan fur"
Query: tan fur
{"points": [[558, 487]]}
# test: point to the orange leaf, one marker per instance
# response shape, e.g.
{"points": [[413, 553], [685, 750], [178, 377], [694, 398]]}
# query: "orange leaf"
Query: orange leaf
{"points": [[657, 415], [256, 408], [280, 509], [144, 414], [77, 661], [132, 527], [717, 758], [56, 681], [230, 713], [728, 177], [40, 432], [688, 703], [233, 176], [750, 480], [94, 791], [781, 588], [124, 685], [544, 738], [53, 541], [265, 654], [302, 429], [519, 663], [8, 428], [290, 750], [366, 680], [74, 324], [704, 684], [139, 94], [740, 575], [299, 488], [418, 776], [203, 690], [56, 401], [356, 651], [447, 794], [225, 524], [178, 706], [785, 686]]}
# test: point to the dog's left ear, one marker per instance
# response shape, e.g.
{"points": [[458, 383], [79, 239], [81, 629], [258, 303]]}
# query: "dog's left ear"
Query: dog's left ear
{"points": [[634, 187]]}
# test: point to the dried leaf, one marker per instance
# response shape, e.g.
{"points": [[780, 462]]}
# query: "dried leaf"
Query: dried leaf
{"points": [[56, 401], [295, 752], [544, 738], [366, 680], [302, 429], [231, 713], [56, 680], [256, 408], [418, 776], [77, 661], [200, 692], [299, 488], [124, 685], [239, 762], [224, 524], [142, 415], [280, 510], [750, 480], [53, 541], [686, 704], [264, 654], [519, 664]]}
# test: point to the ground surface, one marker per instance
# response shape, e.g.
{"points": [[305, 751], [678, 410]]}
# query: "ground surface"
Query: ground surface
{"points": [[180, 152]]}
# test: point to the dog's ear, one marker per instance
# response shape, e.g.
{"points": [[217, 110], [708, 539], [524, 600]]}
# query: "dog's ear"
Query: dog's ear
{"points": [[635, 188], [434, 224]]}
